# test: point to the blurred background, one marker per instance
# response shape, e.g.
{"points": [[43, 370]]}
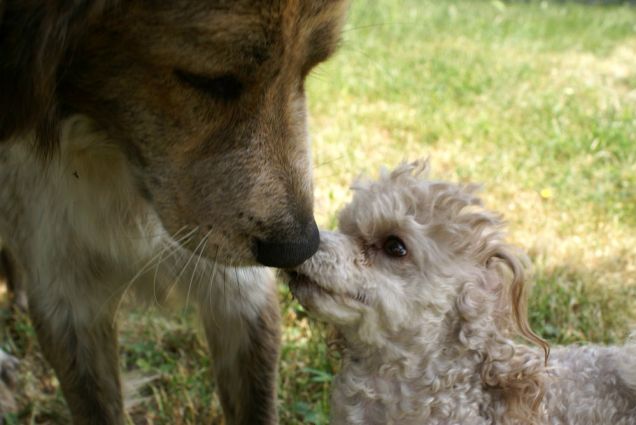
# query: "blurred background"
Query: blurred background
{"points": [[536, 100]]}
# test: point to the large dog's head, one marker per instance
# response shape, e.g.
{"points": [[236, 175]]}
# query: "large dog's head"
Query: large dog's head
{"points": [[205, 98]]}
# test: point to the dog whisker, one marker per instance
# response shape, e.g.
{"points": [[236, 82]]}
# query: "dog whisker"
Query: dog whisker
{"points": [[225, 284], [328, 162], [177, 279], [238, 282], [172, 247], [124, 288], [213, 275], [363, 27], [202, 245]]}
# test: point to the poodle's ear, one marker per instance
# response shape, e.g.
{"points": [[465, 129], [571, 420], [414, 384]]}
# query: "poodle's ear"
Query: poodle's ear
{"points": [[36, 39], [515, 294], [515, 371]]}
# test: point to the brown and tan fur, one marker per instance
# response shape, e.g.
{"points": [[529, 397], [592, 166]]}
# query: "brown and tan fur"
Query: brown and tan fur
{"points": [[152, 145]]}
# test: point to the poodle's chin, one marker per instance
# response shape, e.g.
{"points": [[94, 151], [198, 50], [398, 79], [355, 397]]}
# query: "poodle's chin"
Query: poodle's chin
{"points": [[326, 304]]}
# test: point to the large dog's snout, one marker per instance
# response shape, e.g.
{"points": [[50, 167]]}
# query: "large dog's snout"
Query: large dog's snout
{"points": [[287, 252]]}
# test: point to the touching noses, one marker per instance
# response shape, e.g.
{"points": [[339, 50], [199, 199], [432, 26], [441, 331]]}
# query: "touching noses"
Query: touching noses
{"points": [[289, 249]]}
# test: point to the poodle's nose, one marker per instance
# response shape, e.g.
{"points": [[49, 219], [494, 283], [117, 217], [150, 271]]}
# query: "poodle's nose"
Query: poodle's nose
{"points": [[288, 252]]}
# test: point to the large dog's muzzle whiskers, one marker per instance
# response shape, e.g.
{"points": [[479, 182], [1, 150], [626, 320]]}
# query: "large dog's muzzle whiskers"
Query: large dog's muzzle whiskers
{"points": [[191, 255], [126, 286], [168, 245], [213, 274], [174, 247], [203, 246]]}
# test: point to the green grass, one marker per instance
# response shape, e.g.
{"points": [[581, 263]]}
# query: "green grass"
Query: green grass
{"points": [[536, 100]]}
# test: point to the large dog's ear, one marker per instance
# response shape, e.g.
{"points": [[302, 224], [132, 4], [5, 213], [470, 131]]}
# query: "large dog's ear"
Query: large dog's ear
{"points": [[36, 40]]}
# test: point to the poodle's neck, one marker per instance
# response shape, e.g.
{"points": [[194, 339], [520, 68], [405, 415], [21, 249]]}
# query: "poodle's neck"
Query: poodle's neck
{"points": [[429, 368], [424, 384]]}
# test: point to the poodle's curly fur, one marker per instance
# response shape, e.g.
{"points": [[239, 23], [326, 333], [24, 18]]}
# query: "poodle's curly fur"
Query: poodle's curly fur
{"points": [[431, 328]]}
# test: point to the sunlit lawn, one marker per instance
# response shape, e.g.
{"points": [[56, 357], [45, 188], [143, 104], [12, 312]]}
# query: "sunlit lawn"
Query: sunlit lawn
{"points": [[536, 100]]}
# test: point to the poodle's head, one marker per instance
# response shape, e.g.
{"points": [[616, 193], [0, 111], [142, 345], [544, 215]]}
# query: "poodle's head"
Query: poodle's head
{"points": [[415, 261], [420, 271]]}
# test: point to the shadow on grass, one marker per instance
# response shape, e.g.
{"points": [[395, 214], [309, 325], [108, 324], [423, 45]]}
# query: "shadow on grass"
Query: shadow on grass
{"points": [[568, 305]]}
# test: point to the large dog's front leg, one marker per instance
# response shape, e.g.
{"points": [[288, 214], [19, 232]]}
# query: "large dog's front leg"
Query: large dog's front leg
{"points": [[242, 324], [77, 335]]}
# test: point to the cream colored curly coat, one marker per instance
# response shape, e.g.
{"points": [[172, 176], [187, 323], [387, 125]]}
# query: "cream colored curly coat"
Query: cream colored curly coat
{"points": [[430, 336]]}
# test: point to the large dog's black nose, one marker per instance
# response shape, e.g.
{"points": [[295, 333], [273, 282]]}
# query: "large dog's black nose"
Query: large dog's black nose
{"points": [[288, 252]]}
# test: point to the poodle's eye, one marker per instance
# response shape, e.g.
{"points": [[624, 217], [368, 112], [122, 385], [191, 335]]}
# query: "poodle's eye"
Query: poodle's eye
{"points": [[394, 247]]}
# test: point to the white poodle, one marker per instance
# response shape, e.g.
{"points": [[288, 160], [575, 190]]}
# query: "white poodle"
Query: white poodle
{"points": [[430, 303]]}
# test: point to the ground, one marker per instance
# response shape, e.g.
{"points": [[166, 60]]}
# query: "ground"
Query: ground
{"points": [[535, 100]]}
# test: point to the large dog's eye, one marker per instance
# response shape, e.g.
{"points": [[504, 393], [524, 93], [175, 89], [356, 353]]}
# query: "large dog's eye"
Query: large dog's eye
{"points": [[224, 87], [394, 247]]}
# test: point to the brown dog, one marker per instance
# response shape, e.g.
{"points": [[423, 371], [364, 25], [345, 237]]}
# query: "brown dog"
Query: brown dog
{"points": [[149, 144]]}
